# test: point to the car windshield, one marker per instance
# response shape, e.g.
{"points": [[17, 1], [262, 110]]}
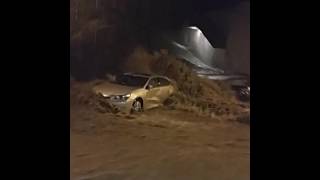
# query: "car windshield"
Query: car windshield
{"points": [[131, 80]]}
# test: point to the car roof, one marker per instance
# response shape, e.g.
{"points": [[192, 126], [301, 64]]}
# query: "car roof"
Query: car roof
{"points": [[145, 75], [138, 74]]}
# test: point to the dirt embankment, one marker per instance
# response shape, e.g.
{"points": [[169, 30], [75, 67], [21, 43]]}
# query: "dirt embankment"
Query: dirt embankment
{"points": [[195, 94]]}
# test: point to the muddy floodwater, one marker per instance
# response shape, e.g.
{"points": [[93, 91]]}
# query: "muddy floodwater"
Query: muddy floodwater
{"points": [[159, 144]]}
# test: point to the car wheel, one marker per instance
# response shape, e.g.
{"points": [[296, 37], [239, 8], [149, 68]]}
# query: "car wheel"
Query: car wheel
{"points": [[137, 106]]}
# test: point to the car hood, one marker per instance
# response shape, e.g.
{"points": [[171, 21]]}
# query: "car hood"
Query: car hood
{"points": [[108, 89]]}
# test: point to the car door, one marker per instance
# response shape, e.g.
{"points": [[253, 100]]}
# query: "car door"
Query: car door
{"points": [[165, 89], [153, 97]]}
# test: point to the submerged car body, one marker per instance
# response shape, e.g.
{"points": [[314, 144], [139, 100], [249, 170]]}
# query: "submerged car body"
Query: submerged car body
{"points": [[136, 92], [241, 87]]}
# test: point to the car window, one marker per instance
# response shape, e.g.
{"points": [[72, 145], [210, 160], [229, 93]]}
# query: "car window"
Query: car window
{"points": [[154, 82], [158, 82], [164, 82], [130, 80]]}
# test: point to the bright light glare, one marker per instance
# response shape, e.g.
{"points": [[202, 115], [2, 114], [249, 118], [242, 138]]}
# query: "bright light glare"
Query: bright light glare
{"points": [[194, 28], [198, 31], [198, 34]]}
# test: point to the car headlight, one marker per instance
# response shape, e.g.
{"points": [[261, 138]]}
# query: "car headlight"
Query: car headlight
{"points": [[104, 95], [120, 97], [125, 97]]}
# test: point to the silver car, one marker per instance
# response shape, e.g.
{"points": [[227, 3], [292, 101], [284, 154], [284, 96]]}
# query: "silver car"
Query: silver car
{"points": [[136, 92]]}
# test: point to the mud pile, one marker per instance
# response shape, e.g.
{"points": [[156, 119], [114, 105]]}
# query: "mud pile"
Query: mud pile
{"points": [[139, 61], [81, 94], [202, 96]]}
